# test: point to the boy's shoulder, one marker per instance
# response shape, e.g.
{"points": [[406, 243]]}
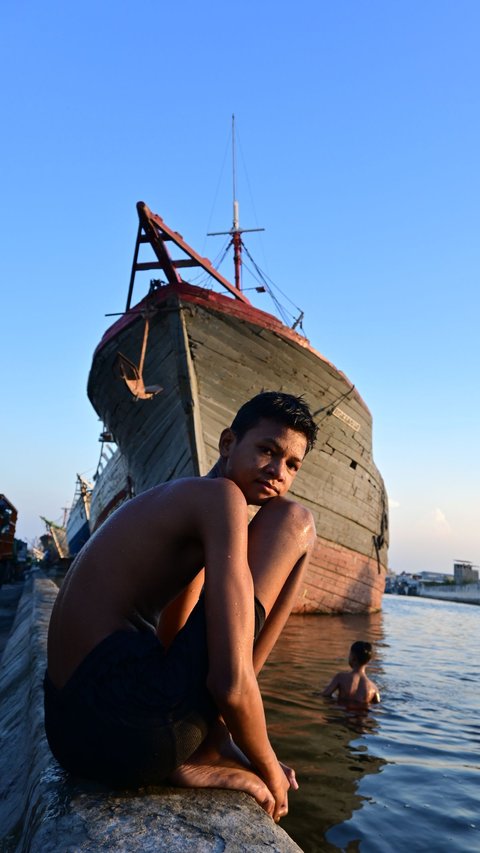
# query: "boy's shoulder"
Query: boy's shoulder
{"points": [[345, 675], [198, 491], [343, 678], [194, 485], [374, 692]]}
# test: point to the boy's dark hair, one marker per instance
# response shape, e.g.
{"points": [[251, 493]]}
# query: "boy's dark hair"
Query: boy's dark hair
{"points": [[289, 410], [361, 651]]}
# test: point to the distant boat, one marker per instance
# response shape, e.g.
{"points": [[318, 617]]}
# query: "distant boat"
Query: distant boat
{"points": [[54, 544], [113, 485], [171, 373], [78, 521]]}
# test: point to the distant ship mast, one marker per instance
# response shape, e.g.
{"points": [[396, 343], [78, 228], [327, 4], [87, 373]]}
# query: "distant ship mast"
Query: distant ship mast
{"points": [[235, 232]]}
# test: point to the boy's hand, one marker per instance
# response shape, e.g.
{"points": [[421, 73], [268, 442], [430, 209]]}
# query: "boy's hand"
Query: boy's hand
{"points": [[290, 774], [279, 783]]}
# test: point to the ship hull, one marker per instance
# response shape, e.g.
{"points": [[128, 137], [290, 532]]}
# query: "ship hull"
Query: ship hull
{"points": [[78, 524], [210, 354], [76, 539], [112, 488]]}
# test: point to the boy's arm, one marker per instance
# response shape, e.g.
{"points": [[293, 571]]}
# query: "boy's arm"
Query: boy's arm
{"points": [[229, 603], [333, 685]]}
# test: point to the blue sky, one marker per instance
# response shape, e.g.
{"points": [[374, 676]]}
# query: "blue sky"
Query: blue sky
{"points": [[358, 151]]}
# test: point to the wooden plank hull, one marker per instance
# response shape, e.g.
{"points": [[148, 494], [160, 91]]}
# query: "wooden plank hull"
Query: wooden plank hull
{"points": [[210, 354], [112, 488], [77, 533], [78, 523]]}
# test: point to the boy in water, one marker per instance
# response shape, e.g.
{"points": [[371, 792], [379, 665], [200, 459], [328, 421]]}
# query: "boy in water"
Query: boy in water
{"points": [[355, 686], [170, 610]]}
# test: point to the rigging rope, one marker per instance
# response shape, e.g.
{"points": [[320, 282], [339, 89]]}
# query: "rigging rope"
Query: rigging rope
{"points": [[280, 308], [379, 539], [203, 276], [227, 146], [331, 406], [264, 278]]}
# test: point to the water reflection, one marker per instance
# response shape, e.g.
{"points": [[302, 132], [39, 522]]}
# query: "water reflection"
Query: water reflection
{"points": [[323, 741]]}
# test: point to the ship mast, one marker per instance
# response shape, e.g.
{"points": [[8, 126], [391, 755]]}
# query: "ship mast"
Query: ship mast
{"points": [[235, 232]]}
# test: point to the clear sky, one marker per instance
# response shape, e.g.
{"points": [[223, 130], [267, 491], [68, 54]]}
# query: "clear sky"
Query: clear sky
{"points": [[358, 150]]}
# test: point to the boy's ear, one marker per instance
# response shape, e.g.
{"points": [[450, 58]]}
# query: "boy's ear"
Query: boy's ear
{"points": [[227, 439]]}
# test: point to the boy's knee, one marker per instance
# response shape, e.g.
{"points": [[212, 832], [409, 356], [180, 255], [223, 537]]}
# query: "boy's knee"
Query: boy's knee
{"points": [[302, 522], [293, 517]]}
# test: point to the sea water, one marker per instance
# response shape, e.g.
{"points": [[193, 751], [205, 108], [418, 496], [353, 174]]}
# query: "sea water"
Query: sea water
{"points": [[403, 775]]}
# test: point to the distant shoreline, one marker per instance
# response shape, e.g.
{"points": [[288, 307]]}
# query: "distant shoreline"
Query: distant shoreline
{"points": [[455, 600], [467, 594]]}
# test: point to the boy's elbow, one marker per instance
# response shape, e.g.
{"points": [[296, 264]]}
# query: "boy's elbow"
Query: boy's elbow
{"points": [[330, 688]]}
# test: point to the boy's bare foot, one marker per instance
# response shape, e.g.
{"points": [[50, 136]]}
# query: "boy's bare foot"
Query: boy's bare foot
{"points": [[218, 763], [235, 778]]}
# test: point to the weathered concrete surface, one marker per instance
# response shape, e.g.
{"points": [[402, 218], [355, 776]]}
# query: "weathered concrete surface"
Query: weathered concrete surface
{"points": [[43, 810], [9, 596], [465, 593]]}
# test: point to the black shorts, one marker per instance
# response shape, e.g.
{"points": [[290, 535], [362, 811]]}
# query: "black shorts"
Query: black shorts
{"points": [[132, 712]]}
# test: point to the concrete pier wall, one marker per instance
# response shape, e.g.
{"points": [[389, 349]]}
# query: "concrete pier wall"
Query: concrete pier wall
{"points": [[43, 810], [468, 593]]}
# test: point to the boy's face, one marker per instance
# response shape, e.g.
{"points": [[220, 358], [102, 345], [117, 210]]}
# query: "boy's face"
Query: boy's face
{"points": [[265, 461]]}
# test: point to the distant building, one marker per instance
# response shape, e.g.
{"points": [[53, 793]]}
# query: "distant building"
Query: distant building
{"points": [[434, 577], [402, 584], [464, 572]]}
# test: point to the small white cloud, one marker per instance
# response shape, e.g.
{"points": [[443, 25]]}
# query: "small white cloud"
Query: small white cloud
{"points": [[440, 520], [393, 504], [435, 524]]}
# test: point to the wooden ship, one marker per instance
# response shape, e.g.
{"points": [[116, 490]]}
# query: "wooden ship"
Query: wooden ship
{"points": [[55, 544], [171, 373], [113, 485], [78, 520]]}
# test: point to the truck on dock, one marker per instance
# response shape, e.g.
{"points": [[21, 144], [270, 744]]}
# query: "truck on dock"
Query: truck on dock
{"points": [[8, 523]]}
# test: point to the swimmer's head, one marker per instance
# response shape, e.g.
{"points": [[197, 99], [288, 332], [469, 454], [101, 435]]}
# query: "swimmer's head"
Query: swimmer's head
{"points": [[361, 652]]}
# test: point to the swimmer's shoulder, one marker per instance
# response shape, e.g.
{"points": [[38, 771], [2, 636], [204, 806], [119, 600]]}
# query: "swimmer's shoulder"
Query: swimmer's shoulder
{"points": [[374, 693]]}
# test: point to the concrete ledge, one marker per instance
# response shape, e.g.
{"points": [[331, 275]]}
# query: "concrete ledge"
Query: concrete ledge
{"points": [[43, 810], [466, 593]]}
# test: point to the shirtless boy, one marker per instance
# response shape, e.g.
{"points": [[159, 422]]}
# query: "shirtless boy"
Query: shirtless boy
{"points": [[150, 679], [355, 687]]}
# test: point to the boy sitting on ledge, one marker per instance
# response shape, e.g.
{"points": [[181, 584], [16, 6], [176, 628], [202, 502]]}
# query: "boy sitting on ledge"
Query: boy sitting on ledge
{"points": [[168, 613]]}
